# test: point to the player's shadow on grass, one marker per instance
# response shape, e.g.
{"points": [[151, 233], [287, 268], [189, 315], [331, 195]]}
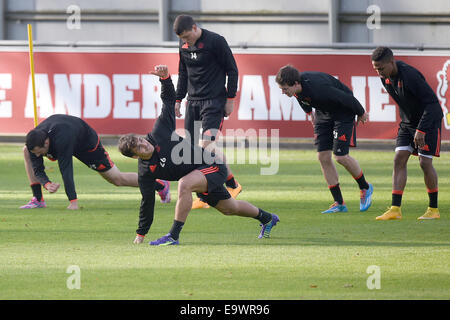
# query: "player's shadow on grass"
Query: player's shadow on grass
{"points": [[314, 242], [365, 243]]}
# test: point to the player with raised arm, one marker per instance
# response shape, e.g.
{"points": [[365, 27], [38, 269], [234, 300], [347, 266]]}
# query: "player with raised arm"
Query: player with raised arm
{"points": [[159, 155]]}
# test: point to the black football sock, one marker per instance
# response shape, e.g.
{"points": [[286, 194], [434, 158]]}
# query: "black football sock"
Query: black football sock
{"points": [[433, 196], [336, 193], [231, 182], [397, 197], [176, 229], [159, 185], [37, 191], [263, 216], [362, 183]]}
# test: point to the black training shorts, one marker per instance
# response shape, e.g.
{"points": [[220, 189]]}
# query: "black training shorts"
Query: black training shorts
{"points": [[216, 175], [96, 158], [336, 135], [405, 140], [209, 116]]}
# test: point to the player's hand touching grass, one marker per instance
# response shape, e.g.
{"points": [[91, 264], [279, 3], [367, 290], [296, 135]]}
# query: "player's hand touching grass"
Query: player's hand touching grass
{"points": [[52, 187], [139, 239]]}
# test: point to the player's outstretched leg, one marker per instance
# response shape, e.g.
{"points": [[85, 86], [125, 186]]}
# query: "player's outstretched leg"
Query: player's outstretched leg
{"points": [[242, 208], [266, 228], [120, 179]]}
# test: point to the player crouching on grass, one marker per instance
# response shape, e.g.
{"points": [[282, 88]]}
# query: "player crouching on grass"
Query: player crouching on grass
{"points": [[59, 137], [156, 157]]}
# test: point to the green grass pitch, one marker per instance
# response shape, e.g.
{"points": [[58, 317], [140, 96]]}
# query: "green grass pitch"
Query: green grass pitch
{"points": [[309, 255]]}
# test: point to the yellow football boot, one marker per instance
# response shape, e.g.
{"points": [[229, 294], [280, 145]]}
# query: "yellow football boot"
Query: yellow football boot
{"points": [[430, 214], [235, 191], [199, 204], [393, 213]]}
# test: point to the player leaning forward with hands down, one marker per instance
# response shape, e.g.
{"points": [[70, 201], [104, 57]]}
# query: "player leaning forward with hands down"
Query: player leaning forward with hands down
{"points": [[334, 127], [61, 137]]}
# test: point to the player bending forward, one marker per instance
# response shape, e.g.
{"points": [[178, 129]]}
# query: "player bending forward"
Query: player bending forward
{"points": [[61, 137]]}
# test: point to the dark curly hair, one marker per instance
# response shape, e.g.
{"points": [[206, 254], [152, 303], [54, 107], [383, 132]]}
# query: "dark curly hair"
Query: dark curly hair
{"points": [[36, 138], [382, 54]]}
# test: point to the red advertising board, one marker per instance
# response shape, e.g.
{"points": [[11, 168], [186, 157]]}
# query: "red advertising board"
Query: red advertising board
{"points": [[115, 94]]}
